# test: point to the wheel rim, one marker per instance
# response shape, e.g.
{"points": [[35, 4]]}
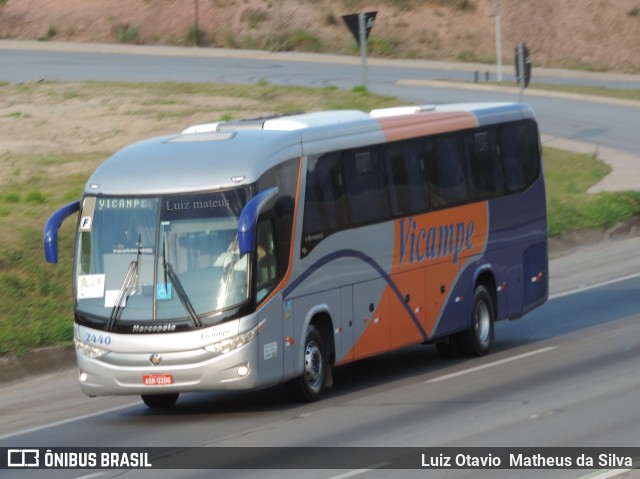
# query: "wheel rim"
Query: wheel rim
{"points": [[313, 367], [482, 322]]}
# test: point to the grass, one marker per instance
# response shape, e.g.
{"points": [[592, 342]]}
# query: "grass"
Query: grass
{"points": [[37, 306], [194, 36], [473, 57], [127, 33], [376, 46], [568, 176]]}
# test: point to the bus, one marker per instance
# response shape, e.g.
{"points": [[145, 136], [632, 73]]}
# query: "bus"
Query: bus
{"points": [[242, 254]]}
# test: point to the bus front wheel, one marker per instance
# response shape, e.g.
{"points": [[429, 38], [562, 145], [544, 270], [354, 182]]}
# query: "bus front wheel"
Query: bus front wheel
{"points": [[310, 386], [160, 401], [477, 340]]}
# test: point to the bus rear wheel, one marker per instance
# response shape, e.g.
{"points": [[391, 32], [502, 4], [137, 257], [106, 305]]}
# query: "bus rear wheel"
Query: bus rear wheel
{"points": [[160, 401], [310, 386], [477, 340]]}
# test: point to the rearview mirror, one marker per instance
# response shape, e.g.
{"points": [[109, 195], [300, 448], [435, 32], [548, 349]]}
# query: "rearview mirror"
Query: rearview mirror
{"points": [[249, 217], [50, 237]]}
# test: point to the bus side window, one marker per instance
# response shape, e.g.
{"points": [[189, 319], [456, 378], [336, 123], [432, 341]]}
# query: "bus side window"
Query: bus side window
{"points": [[521, 154], [325, 203], [366, 188], [407, 181], [266, 261], [485, 165], [448, 183], [285, 178]]}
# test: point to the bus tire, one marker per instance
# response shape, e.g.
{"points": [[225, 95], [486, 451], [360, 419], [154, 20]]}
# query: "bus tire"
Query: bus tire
{"points": [[160, 401], [310, 386], [477, 340]]}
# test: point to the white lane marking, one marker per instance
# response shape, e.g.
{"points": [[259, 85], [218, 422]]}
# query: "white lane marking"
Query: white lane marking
{"points": [[357, 472], [490, 365], [594, 286], [441, 378], [69, 420]]}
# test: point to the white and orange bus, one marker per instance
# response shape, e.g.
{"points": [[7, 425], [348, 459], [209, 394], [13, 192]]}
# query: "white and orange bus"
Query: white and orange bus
{"points": [[242, 254]]}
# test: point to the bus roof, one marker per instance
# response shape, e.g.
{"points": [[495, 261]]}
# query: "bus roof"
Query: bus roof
{"points": [[227, 154]]}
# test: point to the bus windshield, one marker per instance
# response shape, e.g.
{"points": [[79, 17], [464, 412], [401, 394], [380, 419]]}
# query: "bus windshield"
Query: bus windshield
{"points": [[165, 258]]}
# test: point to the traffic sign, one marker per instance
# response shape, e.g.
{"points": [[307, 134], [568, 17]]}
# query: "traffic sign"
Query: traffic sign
{"points": [[360, 25], [523, 65], [353, 24]]}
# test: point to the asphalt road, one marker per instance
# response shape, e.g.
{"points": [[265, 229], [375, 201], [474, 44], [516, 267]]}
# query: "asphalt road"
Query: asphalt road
{"points": [[614, 126], [565, 375]]}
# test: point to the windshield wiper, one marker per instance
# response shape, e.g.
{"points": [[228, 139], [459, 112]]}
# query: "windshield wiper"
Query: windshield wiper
{"points": [[124, 292], [170, 274]]}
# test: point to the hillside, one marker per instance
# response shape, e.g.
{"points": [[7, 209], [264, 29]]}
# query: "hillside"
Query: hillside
{"points": [[582, 34]]}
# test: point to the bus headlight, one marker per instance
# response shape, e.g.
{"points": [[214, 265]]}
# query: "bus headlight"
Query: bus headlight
{"points": [[88, 350], [227, 345]]}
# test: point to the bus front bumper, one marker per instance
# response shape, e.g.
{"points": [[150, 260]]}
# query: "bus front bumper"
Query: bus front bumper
{"points": [[164, 373]]}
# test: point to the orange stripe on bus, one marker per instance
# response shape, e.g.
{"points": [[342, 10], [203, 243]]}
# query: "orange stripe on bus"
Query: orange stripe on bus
{"points": [[420, 124], [430, 251]]}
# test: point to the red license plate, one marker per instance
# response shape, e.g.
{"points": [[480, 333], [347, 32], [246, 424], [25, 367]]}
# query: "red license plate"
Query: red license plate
{"points": [[157, 379]]}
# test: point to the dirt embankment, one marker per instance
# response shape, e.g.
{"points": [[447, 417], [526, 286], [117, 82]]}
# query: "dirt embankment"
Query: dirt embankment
{"points": [[584, 34]]}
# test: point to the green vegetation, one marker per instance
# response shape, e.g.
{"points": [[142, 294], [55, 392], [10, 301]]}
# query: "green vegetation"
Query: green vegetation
{"points": [[472, 57], [51, 32], [381, 46], [70, 93], [37, 306], [127, 33], [194, 36], [568, 177], [301, 40], [37, 297], [376, 46]]}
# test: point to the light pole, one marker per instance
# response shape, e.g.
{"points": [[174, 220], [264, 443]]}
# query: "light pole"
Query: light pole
{"points": [[496, 4]]}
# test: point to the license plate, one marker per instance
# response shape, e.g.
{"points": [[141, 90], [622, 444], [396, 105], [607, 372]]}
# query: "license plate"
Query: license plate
{"points": [[157, 379]]}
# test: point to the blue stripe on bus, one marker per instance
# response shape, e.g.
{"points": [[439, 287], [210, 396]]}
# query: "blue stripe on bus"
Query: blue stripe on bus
{"points": [[348, 253]]}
